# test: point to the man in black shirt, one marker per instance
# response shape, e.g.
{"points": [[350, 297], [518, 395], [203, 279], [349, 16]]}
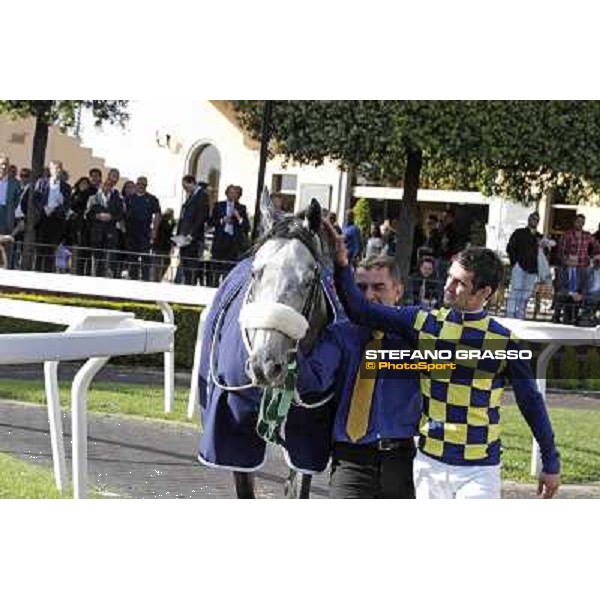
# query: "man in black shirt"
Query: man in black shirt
{"points": [[522, 251]]}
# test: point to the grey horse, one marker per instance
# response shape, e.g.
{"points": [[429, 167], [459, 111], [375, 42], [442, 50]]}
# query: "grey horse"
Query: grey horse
{"points": [[271, 304]]}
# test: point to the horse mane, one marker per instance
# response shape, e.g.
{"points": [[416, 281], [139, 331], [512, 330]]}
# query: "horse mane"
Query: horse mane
{"points": [[289, 228]]}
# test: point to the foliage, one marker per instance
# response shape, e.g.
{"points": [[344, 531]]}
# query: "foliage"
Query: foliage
{"points": [[186, 320], [362, 219], [64, 112], [520, 149], [569, 368], [517, 149], [592, 370]]}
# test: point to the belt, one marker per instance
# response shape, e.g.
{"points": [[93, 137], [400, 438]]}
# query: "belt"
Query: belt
{"points": [[388, 444], [381, 445]]}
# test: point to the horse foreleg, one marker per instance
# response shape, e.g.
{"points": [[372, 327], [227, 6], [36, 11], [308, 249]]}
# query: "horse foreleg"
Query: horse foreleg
{"points": [[305, 482], [297, 486], [244, 485]]}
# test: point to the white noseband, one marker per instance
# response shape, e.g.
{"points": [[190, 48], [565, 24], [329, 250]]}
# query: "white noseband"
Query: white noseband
{"points": [[273, 315]]}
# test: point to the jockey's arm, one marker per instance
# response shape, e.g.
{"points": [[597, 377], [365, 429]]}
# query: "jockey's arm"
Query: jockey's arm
{"points": [[390, 319], [532, 407]]}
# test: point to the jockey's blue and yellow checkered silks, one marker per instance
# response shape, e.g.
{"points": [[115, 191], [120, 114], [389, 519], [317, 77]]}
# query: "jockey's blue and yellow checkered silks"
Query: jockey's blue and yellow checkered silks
{"points": [[362, 396], [461, 407], [460, 422]]}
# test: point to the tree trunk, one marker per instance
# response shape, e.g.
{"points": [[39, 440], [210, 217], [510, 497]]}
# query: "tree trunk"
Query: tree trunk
{"points": [[40, 142], [407, 218], [38, 158]]}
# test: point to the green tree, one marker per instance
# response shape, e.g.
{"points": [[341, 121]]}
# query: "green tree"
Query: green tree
{"points": [[63, 113], [519, 149], [362, 219]]}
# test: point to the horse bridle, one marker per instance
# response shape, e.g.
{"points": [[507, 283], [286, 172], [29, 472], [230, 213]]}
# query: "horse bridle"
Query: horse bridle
{"points": [[306, 312], [307, 309]]}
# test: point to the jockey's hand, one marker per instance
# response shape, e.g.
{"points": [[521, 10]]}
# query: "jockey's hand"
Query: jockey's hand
{"points": [[548, 485], [341, 252]]}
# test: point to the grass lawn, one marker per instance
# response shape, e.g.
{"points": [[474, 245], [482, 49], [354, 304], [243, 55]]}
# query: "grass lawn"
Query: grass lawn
{"points": [[577, 434], [19, 479], [104, 397], [577, 431]]}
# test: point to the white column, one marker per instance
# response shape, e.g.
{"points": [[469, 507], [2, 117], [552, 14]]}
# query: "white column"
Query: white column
{"points": [[194, 395], [79, 395], [168, 317], [55, 425]]}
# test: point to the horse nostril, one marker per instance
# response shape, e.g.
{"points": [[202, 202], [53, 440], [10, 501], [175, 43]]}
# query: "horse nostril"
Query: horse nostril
{"points": [[274, 370], [256, 372]]}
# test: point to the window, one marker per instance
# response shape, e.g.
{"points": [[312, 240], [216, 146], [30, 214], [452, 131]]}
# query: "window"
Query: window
{"points": [[286, 185], [205, 165]]}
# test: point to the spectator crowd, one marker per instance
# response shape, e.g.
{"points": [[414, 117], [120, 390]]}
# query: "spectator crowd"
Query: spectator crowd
{"points": [[94, 228], [433, 249], [573, 285]]}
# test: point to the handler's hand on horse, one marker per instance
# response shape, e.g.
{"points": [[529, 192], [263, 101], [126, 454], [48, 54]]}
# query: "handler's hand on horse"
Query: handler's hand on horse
{"points": [[341, 252], [548, 485]]}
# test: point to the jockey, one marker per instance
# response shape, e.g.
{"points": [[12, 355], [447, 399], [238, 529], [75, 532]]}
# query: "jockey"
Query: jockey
{"points": [[376, 419], [459, 445]]}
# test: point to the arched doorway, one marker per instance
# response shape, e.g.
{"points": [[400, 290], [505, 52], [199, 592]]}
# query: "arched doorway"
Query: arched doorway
{"points": [[205, 165]]}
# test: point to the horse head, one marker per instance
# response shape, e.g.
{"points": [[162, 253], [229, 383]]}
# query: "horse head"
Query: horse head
{"points": [[285, 304]]}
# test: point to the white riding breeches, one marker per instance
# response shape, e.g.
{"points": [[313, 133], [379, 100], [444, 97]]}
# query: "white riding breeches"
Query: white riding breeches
{"points": [[437, 480]]}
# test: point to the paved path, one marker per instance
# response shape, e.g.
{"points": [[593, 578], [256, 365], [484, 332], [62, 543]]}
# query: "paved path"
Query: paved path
{"points": [[136, 458], [147, 459]]}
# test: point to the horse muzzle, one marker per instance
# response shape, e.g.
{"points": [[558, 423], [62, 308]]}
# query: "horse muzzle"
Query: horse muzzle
{"points": [[266, 372]]}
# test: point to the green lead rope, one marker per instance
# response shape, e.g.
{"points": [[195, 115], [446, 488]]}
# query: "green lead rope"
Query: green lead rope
{"points": [[274, 407]]}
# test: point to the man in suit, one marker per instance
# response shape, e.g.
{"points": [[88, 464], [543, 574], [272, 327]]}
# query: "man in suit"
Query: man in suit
{"points": [[104, 211], [377, 419], [571, 282], [230, 221], [9, 199], [52, 196], [190, 229]]}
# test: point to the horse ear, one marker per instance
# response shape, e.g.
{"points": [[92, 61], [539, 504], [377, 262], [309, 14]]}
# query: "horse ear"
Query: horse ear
{"points": [[313, 216], [268, 213]]}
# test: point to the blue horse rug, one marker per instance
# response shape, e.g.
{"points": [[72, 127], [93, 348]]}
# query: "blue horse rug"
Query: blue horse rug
{"points": [[228, 438]]}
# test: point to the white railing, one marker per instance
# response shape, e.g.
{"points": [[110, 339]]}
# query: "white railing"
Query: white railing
{"points": [[553, 336], [163, 294], [92, 334]]}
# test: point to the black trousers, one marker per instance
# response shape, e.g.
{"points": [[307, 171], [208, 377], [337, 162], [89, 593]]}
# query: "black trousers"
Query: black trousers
{"points": [[138, 245], [50, 231], [364, 471], [189, 263]]}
